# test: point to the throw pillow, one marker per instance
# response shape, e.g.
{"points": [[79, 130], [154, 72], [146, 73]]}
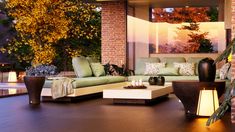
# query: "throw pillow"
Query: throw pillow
{"points": [[153, 68], [168, 71], [97, 69], [140, 64], [185, 69], [224, 70], [112, 69], [81, 67]]}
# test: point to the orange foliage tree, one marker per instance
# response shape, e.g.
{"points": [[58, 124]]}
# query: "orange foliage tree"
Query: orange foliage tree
{"points": [[179, 15], [198, 41], [41, 24]]}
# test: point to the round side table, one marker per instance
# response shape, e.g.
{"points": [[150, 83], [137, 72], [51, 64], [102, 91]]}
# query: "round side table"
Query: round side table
{"points": [[188, 92]]}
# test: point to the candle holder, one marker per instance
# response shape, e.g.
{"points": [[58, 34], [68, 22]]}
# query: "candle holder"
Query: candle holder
{"points": [[136, 85]]}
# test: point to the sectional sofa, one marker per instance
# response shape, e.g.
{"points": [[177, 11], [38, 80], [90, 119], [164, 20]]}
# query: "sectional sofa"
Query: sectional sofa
{"points": [[89, 81], [170, 74]]}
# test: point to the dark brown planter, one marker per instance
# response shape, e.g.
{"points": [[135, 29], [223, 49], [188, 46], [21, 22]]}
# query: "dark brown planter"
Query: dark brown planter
{"points": [[160, 81], [206, 70], [34, 86], [152, 81]]}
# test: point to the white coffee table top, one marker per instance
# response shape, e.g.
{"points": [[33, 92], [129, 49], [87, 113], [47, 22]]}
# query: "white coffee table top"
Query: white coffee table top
{"points": [[151, 92]]}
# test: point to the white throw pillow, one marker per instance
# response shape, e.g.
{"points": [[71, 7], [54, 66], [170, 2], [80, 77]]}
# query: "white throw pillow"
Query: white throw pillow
{"points": [[224, 71], [153, 68], [185, 69]]}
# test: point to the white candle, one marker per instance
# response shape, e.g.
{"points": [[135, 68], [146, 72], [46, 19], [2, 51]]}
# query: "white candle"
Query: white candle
{"points": [[140, 82], [137, 83], [133, 82]]}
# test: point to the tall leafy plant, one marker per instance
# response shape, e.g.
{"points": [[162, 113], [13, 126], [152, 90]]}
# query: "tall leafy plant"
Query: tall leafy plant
{"points": [[230, 91]]}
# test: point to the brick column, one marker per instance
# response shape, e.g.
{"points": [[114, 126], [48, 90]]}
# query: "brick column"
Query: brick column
{"points": [[233, 58], [114, 32]]}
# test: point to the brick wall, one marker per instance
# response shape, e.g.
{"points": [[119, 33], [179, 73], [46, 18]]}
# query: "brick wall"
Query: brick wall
{"points": [[233, 60], [114, 32]]}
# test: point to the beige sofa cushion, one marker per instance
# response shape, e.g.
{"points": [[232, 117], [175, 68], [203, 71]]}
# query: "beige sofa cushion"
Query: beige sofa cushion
{"points": [[81, 67]]}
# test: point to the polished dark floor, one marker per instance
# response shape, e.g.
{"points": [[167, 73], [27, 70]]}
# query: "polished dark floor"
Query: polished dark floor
{"points": [[98, 115]]}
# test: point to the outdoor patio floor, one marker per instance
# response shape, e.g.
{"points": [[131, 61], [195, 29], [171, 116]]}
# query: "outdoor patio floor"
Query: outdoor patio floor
{"points": [[99, 115]]}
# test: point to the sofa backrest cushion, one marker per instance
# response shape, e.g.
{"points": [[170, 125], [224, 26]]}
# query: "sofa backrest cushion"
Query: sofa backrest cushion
{"points": [[97, 69], [92, 60], [170, 60], [81, 67], [196, 61], [140, 64], [169, 71]]}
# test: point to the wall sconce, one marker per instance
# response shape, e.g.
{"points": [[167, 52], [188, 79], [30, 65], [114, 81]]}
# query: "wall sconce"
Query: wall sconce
{"points": [[207, 103], [12, 77]]}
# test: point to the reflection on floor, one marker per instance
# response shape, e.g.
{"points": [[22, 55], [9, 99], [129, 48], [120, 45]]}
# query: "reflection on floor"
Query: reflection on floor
{"points": [[12, 89], [101, 115]]}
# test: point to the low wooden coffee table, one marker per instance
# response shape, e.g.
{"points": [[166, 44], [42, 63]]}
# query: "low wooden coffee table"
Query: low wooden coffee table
{"points": [[137, 96]]}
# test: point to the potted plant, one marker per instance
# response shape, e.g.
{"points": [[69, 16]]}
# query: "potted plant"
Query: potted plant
{"points": [[34, 80], [230, 91]]}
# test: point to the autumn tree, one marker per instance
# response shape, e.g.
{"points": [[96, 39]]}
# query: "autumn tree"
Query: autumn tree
{"points": [[6, 31], [179, 15], [83, 45], [198, 41], [42, 24]]}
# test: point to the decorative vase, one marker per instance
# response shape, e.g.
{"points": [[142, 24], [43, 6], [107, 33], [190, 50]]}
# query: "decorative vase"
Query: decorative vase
{"points": [[206, 70], [34, 87], [160, 80], [152, 81]]}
